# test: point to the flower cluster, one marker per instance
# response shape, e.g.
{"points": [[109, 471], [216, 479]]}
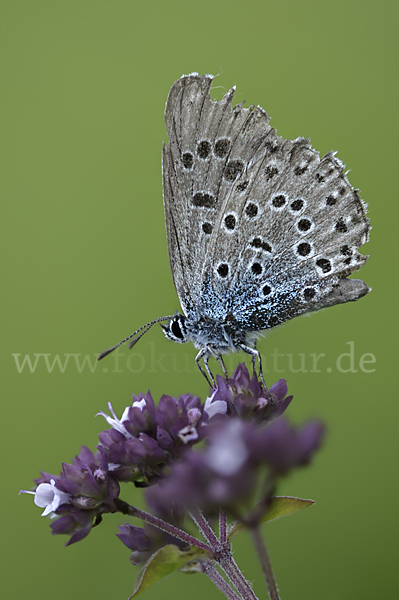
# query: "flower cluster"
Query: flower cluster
{"points": [[83, 492], [147, 437], [245, 448], [245, 398], [226, 473]]}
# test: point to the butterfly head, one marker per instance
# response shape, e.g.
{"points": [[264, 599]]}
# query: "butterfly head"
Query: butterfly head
{"points": [[176, 329]]}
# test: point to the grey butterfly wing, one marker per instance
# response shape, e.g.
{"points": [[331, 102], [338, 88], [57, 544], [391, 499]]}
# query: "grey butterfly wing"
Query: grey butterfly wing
{"points": [[194, 163], [183, 106], [288, 231], [258, 227]]}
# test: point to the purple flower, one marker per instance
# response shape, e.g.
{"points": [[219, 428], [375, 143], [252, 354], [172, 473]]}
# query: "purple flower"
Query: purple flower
{"points": [[76, 523], [284, 447], [244, 397], [230, 469], [138, 418], [145, 541], [146, 437], [80, 494], [179, 423], [137, 540], [155, 447], [220, 476]]}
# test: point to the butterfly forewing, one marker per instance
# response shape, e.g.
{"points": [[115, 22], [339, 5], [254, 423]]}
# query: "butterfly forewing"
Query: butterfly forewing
{"points": [[195, 188]]}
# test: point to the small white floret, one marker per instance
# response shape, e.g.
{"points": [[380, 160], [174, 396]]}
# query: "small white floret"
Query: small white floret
{"points": [[49, 497], [213, 408], [115, 422]]}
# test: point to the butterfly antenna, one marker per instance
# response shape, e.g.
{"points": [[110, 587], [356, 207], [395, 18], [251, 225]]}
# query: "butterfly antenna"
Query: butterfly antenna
{"points": [[133, 342]]}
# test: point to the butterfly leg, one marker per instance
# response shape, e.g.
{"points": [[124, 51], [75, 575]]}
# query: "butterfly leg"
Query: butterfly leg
{"points": [[253, 359], [206, 360], [255, 355], [204, 353], [220, 361]]}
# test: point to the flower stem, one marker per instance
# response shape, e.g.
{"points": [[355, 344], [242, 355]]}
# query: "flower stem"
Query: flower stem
{"points": [[230, 567], [265, 563], [133, 511], [223, 556], [218, 580], [205, 529], [222, 526]]}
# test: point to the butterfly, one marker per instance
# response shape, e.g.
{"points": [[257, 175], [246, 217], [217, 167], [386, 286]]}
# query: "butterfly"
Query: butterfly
{"points": [[259, 229]]}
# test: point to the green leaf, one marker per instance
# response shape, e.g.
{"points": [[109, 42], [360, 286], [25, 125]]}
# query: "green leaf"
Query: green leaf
{"points": [[164, 562], [280, 506]]}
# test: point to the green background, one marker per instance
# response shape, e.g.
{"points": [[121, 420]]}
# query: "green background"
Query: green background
{"points": [[83, 89]]}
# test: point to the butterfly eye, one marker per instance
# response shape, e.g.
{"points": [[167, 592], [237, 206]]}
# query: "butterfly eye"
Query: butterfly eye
{"points": [[175, 328]]}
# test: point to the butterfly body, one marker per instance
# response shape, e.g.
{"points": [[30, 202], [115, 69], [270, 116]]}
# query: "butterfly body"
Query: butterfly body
{"points": [[224, 334]]}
